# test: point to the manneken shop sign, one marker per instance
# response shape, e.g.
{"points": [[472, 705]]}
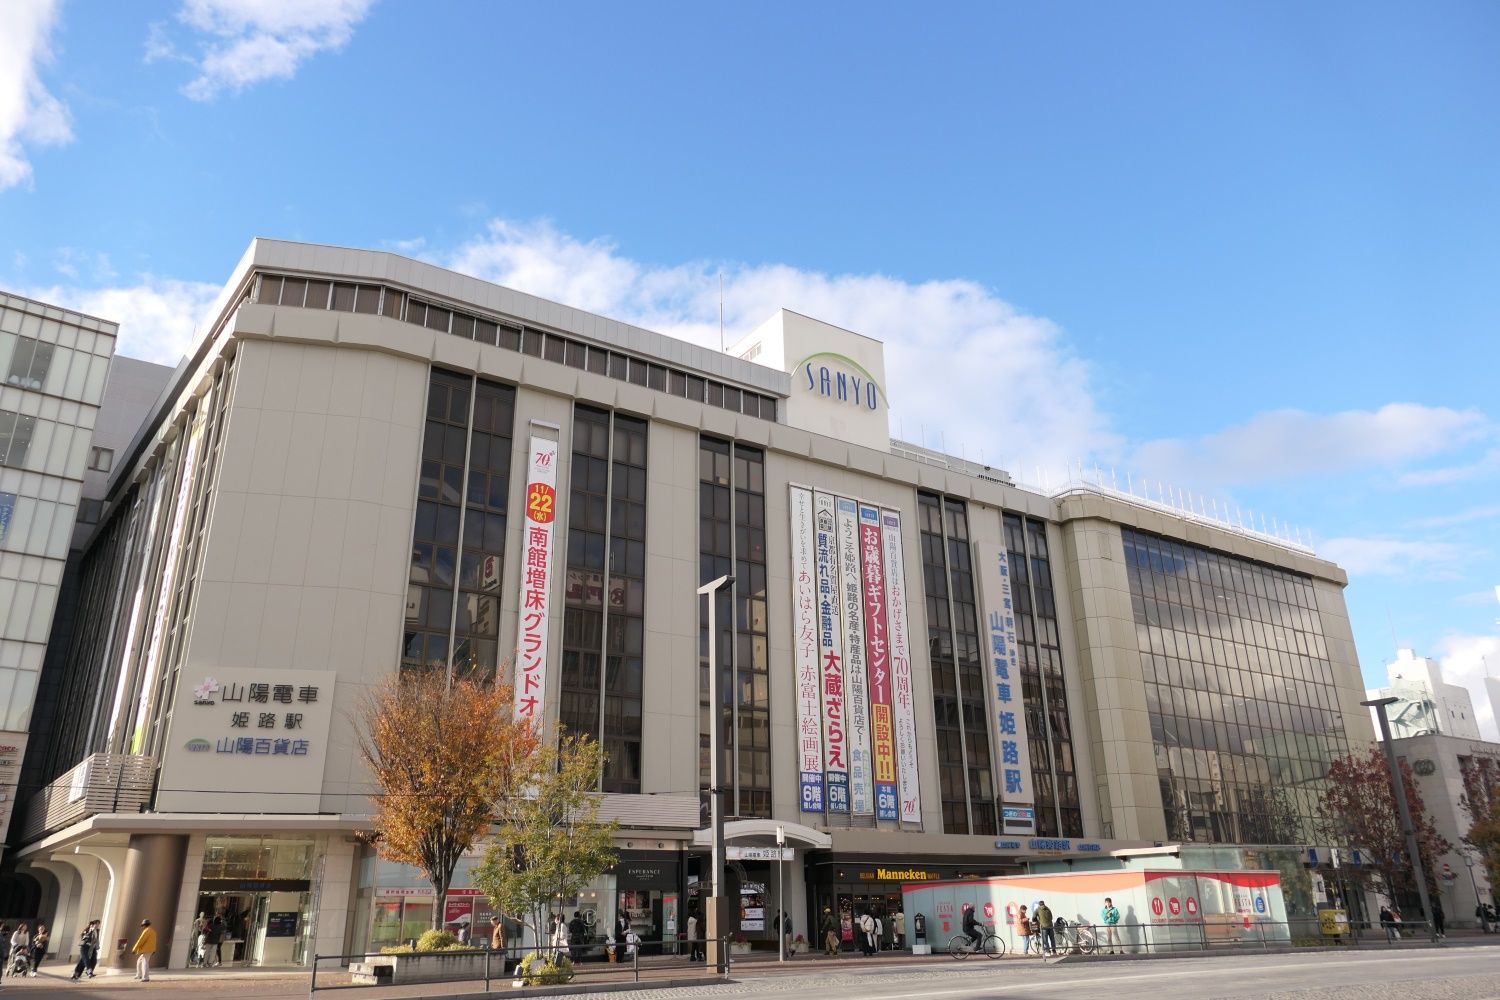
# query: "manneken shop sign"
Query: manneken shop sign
{"points": [[241, 730]]}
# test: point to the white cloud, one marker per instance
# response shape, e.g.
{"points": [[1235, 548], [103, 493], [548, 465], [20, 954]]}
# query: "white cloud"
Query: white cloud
{"points": [[1487, 465], [29, 114], [1467, 660], [1020, 394], [244, 42], [1285, 444], [1483, 513], [157, 316], [1391, 556]]}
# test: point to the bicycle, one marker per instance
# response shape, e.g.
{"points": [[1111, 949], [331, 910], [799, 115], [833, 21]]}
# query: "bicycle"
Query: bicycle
{"points": [[961, 946], [1084, 941]]}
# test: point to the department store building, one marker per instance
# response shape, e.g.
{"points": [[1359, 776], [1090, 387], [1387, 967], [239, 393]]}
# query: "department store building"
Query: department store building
{"points": [[370, 464]]}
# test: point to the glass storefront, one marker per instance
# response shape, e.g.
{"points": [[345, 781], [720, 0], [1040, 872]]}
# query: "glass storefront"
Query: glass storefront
{"points": [[851, 888], [256, 894]]}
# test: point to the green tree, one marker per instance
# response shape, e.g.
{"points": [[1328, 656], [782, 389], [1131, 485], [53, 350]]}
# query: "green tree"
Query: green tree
{"points": [[548, 841]]}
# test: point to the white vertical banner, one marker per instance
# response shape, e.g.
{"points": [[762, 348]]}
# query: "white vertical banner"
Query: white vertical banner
{"points": [[852, 610], [900, 654], [1005, 666], [878, 663], [830, 655], [536, 580], [805, 651]]}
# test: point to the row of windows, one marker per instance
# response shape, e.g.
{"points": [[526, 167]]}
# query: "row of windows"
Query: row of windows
{"points": [[511, 335], [1239, 698]]}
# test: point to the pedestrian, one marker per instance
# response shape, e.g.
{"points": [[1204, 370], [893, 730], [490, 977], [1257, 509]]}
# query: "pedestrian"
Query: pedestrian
{"points": [[632, 942], [39, 947], [216, 931], [144, 948], [1110, 916], [784, 930], [88, 951], [879, 942], [1438, 918], [695, 943], [866, 928], [1388, 921], [898, 928], [1481, 918], [20, 942], [830, 930], [578, 932], [1044, 927], [1023, 928]]}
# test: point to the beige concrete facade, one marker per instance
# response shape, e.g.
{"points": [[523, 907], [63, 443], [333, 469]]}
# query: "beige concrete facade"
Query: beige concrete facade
{"points": [[312, 423]]}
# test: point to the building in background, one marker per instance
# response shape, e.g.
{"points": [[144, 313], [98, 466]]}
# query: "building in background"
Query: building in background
{"points": [[1426, 703], [1444, 767], [53, 367], [370, 464]]}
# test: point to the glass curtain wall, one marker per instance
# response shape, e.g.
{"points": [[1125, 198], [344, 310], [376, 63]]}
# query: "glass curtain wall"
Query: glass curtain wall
{"points": [[1045, 693], [732, 540], [604, 616], [1239, 690], [959, 704], [452, 594]]}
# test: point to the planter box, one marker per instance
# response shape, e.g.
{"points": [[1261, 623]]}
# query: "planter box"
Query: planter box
{"points": [[425, 967]]}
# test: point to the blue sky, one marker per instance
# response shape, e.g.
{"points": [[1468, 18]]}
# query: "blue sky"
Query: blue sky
{"points": [[1249, 250]]}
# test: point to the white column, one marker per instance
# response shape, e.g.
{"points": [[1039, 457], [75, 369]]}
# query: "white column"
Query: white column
{"points": [[109, 861], [335, 896], [61, 920]]}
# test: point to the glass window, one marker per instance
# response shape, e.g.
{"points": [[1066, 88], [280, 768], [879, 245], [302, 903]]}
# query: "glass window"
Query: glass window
{"points": [[367, 299], [15, 437], [270, 289], [532, 342], [556, 346], [317, 294], [510, 338], [485, 332], [343, 297], [293, 291], [392, 303], [463, 326], [438, 318], [416, 312], [30, 363]]}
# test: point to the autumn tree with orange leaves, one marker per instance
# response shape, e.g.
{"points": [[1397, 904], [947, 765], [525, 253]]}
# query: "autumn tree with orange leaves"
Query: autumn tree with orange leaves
{"points": [[442, 754]]}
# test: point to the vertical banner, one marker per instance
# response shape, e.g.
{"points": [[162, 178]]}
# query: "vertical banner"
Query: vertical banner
{"points": [[536, 580], [805, 651], [877, 663], [830, 662], [1010, 708], [897, 646], [852, 606]]}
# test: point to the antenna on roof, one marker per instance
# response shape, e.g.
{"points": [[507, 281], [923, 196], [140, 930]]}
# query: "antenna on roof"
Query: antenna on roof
{"points": [[721, 312]]}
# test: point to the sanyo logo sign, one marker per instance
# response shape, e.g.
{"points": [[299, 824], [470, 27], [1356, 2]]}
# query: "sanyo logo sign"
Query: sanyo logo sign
{"points": [[839, 377]]}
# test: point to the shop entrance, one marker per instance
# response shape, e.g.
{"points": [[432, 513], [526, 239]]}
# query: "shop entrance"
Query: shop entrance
{"points": [[257, 928]]}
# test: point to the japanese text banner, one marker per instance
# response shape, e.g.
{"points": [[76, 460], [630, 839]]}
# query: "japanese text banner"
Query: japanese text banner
{"points": [[536, 580], [1003, 657], [805, 651]]}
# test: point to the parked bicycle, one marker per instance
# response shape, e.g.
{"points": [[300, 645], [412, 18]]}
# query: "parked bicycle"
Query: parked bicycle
{"points": [[961, 946], [1075, 938]]}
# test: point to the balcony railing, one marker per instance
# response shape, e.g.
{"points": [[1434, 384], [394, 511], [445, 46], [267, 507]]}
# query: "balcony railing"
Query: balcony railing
{"points": [[100, 783]]}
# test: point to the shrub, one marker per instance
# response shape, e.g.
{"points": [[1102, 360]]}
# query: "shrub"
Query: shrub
{"points": [[544, 970], [437, 940]]}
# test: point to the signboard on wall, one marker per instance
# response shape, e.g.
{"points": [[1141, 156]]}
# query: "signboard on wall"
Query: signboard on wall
{"points": [[904, 710], [240, 730], [535, 612], [830, 657], [1003, 657], [856, 721], [877, 662], [805, 652], [856, 690]]}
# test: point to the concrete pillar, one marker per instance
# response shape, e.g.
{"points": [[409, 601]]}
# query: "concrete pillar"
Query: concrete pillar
{"points": [[149, 891], [187, 903], [335, 894]]}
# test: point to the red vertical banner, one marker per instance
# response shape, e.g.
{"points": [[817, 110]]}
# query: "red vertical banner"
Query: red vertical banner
{"points": [[536, 580], [878, 662]]}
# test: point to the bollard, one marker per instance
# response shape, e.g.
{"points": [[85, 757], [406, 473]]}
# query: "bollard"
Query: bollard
{"points": [[635, 963], [487, 951]]}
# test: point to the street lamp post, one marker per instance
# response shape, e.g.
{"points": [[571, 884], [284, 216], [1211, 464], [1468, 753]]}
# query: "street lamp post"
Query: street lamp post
{"points": [[715, 917], [1403, 810], [780, 892], [1469, 862]]}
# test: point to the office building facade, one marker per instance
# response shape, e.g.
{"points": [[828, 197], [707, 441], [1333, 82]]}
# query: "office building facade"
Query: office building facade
{"points": [[370, 465]]}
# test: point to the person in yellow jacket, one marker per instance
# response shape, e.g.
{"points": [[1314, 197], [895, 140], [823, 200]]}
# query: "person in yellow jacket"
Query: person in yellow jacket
{"points": [[145, 947]]}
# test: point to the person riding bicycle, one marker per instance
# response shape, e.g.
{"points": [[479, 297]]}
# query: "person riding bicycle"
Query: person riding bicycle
{"points": [[973, 927]]}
